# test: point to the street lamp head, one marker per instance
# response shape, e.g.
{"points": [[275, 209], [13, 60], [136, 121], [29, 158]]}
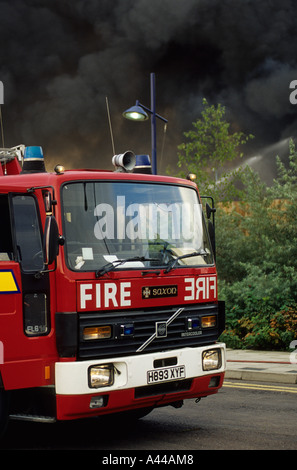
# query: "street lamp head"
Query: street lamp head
{"points": [[135, 113]]}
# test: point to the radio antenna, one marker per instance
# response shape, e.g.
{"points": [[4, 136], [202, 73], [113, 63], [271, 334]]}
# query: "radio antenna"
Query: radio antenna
{"points": [[110, 127], [2, 136], [1, 122]]}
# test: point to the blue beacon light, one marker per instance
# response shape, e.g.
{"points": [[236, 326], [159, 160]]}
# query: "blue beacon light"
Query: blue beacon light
{"points": [[33, 160], [143, 164]]}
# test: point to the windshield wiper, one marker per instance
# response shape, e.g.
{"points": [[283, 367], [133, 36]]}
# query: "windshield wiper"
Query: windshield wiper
{"points": [[114, 264], [173, 262]]}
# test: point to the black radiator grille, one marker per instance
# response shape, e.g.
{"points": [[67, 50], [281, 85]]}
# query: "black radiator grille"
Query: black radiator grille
{"points": [[178, 335]]}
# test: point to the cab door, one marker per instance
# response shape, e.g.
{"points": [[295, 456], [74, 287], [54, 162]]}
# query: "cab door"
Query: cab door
{"points": [[28, 251], [26, 343]]}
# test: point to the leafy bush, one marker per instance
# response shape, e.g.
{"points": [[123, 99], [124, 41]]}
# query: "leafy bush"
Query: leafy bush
{"points": [[257, 261], [263, 330]]}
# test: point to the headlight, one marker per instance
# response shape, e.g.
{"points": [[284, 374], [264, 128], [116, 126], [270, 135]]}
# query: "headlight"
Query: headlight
{"points": [[208, 321], [211, 359], [97, 332], [101, 375]]}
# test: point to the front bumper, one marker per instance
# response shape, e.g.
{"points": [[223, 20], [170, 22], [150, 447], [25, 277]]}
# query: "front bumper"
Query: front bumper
{"points": [[130, 388]]}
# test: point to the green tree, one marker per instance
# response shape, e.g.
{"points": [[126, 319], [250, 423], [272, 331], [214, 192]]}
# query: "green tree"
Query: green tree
{"points": [[257, 261], [209, 148]]}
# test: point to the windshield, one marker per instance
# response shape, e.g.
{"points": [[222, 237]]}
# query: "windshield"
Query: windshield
{"points": [[123, 225]]}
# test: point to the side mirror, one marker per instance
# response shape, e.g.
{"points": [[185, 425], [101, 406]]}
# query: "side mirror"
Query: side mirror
{"points": [[210, 214], [49, 202], [212, 237], [209, 210], [51, 240]]}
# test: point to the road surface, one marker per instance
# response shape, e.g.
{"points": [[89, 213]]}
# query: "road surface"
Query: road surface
{"points": [[242, 416]]}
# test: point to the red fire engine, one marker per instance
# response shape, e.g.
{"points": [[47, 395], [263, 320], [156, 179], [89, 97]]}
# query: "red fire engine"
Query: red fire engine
{"points": [[108, 291]]}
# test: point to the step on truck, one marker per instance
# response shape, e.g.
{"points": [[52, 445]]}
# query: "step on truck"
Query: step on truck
{"points": [[108, 290]]}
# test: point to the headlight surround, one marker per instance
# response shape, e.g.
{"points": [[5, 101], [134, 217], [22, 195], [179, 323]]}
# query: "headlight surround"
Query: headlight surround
{"points": [[101, 375], [211, 359]]}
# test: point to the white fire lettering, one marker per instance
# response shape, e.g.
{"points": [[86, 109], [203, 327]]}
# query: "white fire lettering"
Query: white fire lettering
{"points": [[84, 297], [203, 289], [106, 295], [110, 290]]}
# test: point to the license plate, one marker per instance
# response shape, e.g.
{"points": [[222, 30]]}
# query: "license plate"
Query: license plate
{"points": [[168, 373]]}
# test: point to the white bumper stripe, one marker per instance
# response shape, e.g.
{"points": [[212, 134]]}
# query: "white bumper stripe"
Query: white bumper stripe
{"points": [[72, 377]]}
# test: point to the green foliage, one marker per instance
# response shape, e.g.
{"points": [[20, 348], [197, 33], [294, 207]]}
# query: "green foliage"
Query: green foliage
{"points": [[264, 329], [256, 236], [257, 261], [209, 147]]}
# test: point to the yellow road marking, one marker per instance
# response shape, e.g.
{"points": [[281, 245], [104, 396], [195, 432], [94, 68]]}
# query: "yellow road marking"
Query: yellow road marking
{"points": [[250, 386]]}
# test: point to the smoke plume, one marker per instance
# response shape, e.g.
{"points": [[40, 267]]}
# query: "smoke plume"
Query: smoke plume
{"points": [[59, 61]]}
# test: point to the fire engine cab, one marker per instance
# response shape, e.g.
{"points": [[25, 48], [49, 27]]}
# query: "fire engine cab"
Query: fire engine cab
{"points": [[108, 290]]}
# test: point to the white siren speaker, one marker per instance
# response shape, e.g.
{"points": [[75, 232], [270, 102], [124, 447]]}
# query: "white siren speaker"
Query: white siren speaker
{"points": [[125, 160]]}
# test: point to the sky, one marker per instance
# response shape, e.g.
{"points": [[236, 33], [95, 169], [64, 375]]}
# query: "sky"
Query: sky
{"points": [[61, 61]]}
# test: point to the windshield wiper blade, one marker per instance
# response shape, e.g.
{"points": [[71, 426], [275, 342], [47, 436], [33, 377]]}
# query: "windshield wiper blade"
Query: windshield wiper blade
{"points": [[114, 264], [173, 262]]}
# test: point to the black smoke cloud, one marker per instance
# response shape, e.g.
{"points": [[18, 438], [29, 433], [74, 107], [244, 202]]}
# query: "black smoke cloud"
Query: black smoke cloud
{"points": [[60, 59]]}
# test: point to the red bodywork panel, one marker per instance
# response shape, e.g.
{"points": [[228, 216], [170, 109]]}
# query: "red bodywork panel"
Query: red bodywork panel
{"points": [[73, 406], [134, 292]]}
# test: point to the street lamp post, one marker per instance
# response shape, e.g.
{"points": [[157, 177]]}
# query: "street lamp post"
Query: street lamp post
{"points": [[139, 113]]}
